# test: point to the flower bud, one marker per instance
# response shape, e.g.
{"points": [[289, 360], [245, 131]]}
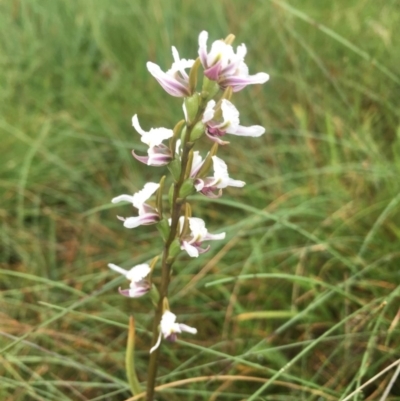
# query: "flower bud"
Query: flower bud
{"points": [[193, 75], [177, 131], [175, 168], [191, 107], [171, 195], [159, 197], [174, 250], [154, 295], [187, 189], [229, 39], [210, 89], [197, 131], [183, 136], [163, 228]]}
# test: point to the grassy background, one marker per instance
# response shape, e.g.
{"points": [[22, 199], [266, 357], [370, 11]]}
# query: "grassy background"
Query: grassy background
{"points": [[318, 219]]}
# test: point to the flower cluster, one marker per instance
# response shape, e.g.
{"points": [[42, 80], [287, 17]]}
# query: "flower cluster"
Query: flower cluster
{"points": [[209, 114]]}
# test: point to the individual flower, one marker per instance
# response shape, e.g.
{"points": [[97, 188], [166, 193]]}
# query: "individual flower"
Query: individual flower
{"points": [[229, 124], [158, 153], [191, 242], [169, 329], [139, 286], [228, 68], [221, 179], [175, 81], [147, 214]]}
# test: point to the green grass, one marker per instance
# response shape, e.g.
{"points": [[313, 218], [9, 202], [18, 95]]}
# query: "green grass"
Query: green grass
{"points": [[301, 301]]}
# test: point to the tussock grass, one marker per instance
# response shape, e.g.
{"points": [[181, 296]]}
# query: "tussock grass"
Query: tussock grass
{"points": [[301, 301]]}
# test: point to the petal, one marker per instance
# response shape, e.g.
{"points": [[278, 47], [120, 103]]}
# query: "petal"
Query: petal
{"points": [[213, 237], [143, 220], [117, 269], [254, 131], [156, 135], [235, 183], [171, 337], [203, 37], [219, 52], [230, 114], [122, 198], [220, 168], [214, 71], [221, 175], [216, 138], [135, 292], [198, 228], [180, 65], [138, 273], [210, 194], [143, 159], [139, 198], [136, 125], [157, 344], [159, 160], [238, 82], [169, 84], [190, 249], [203, 250], [209, 111], [199, 184], [196, 164], [132, 222], [188, 329], [241, 51]]}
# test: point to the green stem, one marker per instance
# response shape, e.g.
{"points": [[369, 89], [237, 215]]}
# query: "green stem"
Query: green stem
{"points": [[166, 264]]}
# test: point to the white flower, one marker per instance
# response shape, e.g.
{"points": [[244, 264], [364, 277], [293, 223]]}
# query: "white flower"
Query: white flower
{"points": [[175, 81], [221, 180], [197, 162], [158, 153], [198, 233], [223, 65], [169, 329], [137, 274], [147, 214], [230, 123]]}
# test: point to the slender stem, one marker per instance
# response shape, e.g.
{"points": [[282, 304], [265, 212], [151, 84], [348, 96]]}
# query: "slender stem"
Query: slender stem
{"points": [[166, 264]]}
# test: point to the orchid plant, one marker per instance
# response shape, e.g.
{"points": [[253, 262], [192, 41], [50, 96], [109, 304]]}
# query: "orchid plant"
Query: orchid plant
{"points": [[209, 114]]}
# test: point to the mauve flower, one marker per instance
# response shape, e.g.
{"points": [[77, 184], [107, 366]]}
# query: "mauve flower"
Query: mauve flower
{"points": [[191, 243], [221, 180], [147, 214], [223, 65], [169, 329], [176, 80], [158, 153], [137, 274], [229, 124]]}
